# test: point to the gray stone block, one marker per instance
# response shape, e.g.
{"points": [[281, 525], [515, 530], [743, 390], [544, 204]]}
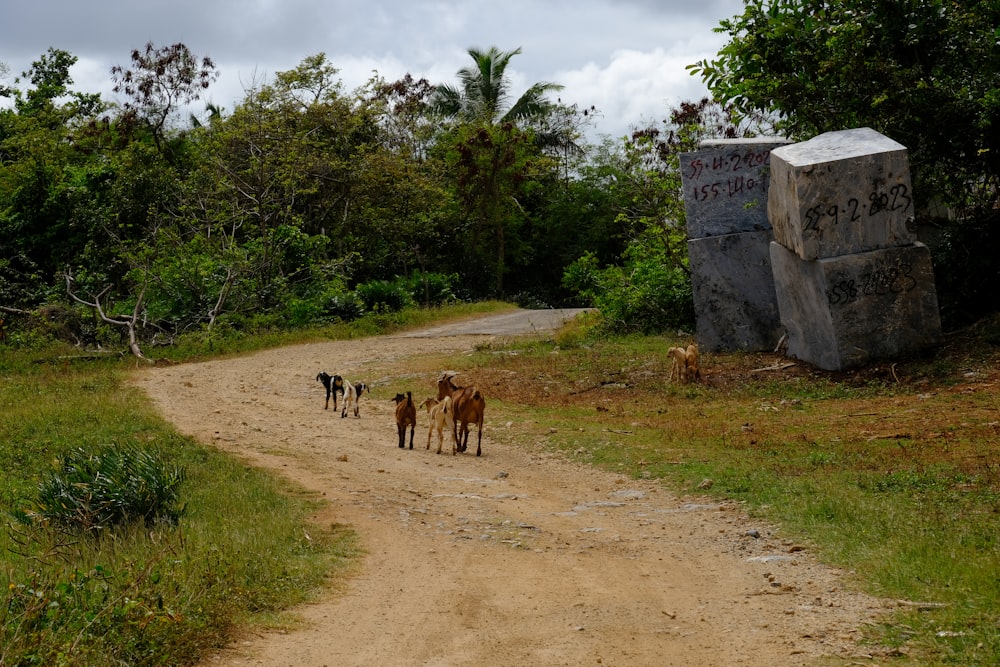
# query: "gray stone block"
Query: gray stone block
{"points": [[841, 193], [845, 311], [733, 288], [725, 186]]}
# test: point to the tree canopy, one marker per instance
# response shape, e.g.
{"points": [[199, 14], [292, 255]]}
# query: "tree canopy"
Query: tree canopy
{"points": [[305, 203]]}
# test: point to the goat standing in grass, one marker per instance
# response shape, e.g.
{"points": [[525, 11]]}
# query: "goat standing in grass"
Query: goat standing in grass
{"points": [[470, 407], [352, 393], [406, 415], [334, 385], [684, 362], [441, 415], [691, 362]]}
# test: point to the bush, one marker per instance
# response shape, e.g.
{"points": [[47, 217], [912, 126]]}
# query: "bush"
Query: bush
{"points": [[345, 307], [432, 289], [115, 486], [643, 296], [382, 296]]}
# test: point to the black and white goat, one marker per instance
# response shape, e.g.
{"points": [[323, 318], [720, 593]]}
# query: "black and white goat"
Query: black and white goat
{"points": [[352, 393], [334, 385]]}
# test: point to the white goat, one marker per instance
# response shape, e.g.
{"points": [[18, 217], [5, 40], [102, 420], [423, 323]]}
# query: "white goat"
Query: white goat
{"points": [[352, 392], [442, 415]]}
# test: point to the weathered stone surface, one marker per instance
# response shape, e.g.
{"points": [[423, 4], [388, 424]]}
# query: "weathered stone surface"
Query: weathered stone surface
{"points": [[845, 311], [733, 288], [725, 186], [841, 193]]}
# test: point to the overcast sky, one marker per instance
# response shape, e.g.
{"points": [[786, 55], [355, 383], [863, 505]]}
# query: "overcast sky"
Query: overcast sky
{"points": [[625, 57]]}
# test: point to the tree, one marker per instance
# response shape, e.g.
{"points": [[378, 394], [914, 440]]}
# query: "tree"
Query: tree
{"points": [[494, 147], [41, 159], [160, 82], [484, 92]]}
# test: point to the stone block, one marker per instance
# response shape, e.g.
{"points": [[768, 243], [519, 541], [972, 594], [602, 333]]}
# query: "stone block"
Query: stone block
{"points": [[845, 311], [733, 289], [841, 193], [725, 186]]}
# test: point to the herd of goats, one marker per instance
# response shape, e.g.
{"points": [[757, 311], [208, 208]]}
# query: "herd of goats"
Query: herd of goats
{"points": [[456, 408]]}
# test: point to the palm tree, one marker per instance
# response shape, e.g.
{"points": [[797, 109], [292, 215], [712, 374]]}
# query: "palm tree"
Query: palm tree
{"points": [[484, 91], [495, 139]]}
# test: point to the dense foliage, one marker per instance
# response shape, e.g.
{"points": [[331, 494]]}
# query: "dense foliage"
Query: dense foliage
{"points": [[306, 203]]}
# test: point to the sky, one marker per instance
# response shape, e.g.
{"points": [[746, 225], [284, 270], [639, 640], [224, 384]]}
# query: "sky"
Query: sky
{"points": [[626, 58]]}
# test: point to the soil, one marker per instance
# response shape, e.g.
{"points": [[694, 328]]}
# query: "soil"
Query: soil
{"points": [[517, 557]]}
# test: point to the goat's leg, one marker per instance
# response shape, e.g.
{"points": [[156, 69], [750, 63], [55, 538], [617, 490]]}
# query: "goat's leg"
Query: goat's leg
{"points": [[411, 434], [479, 444]]}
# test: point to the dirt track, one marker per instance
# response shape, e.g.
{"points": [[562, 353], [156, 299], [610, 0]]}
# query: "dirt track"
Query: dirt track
{"points": [[515, 558]]}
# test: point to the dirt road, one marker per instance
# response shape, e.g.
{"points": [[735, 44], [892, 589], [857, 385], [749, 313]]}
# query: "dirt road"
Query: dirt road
{"points": [[519, 557]]}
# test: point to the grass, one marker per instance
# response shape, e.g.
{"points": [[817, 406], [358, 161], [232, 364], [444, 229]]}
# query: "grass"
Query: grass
{"points": [[891, 472], [244, 550]]}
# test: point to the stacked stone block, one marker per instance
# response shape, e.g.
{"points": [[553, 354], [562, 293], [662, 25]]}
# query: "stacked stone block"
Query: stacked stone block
{"points": [[852, 282], [725, 196]]}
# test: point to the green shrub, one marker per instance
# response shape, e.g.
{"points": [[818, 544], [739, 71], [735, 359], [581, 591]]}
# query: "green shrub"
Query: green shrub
{"points": [[114, 486], [432, 289], [643, 296], [345, 307], [385, 296]]}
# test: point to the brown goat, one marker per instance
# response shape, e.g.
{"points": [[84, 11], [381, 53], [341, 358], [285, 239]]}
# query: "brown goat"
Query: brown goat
{"points": [[691, 356], [469, 406], [406, 415], [684, 362]]}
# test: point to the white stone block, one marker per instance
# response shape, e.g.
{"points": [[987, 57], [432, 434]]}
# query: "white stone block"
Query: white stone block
{"points": [[841, 193]]}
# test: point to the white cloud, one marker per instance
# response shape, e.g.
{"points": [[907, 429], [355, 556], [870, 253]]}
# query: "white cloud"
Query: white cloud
{"points": [[626, 57], [634, 88]]}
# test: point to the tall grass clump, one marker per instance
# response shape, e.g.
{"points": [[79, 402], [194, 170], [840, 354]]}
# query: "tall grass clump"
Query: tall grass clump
{"points": [[94, 491]]}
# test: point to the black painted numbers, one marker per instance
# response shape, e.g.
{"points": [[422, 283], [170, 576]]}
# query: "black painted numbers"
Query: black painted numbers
{"points": [[879, 281], [826, 215], [728, 175]]}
